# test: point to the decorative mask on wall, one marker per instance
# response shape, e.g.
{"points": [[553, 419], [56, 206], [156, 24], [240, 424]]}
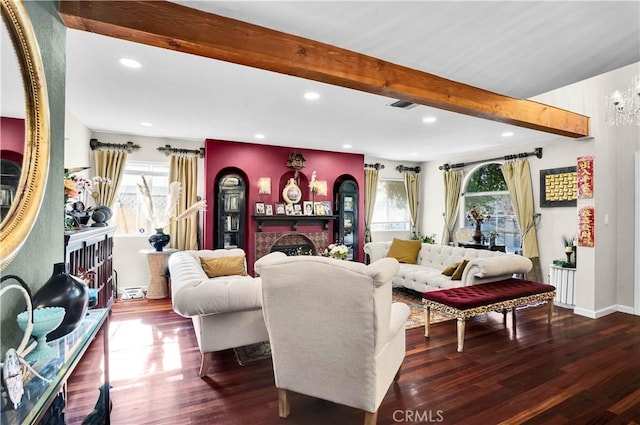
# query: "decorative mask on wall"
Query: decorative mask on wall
{"points": [[297, 162]]}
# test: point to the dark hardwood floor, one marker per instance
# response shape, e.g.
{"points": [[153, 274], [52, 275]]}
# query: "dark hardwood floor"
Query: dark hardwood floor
{"points": [[576, 371]]}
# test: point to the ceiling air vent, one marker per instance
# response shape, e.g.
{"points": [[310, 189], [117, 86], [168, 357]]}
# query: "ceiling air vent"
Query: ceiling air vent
{"points": [[402, 104]]}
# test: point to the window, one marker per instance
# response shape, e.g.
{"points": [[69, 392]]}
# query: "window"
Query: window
{"points": [[129, 209], [487, 190], [390, 211]]}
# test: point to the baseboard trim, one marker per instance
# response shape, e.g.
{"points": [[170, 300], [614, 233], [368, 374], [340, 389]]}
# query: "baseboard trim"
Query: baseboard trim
{"points": [[627, 309], [597, 313], [604, 312]]}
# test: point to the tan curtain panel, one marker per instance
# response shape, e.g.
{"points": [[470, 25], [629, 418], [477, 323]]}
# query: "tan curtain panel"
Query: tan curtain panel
{"points": [[108, 164], [370, 190], [518, 178], [184, 233], [411, 184], [452, 188]]}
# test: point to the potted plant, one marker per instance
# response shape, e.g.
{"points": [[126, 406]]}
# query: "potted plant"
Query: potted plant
{"points": [[426, 238], [492, 235], [568, 247]]}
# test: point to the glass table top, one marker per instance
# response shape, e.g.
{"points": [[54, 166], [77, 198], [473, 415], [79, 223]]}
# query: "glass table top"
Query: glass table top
{"points": [[38, 394]]}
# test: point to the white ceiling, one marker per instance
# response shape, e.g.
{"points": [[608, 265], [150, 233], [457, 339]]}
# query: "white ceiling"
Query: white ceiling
{"points": [[519, 49]]}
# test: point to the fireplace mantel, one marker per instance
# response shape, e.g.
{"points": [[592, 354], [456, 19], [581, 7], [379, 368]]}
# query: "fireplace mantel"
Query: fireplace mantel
{"points": [[293, 220]]}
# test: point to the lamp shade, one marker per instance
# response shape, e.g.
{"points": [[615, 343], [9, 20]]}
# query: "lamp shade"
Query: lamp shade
{"points": [[63, 290]]}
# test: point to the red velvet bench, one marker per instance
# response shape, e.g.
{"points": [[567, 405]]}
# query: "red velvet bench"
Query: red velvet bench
{"points": [[468, 301]]}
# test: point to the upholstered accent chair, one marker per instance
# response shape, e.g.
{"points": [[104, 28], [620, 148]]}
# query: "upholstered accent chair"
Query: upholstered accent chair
{"points": [[335, 333], [226, 309]]}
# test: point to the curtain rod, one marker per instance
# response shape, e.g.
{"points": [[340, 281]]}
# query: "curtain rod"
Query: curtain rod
{"points": [[168, 150], [536, 152], [403, 169], [377, 166], [129, 146]]}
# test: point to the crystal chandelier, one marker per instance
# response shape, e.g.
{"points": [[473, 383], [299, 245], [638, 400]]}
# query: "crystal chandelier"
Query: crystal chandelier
{"points": [[624, 107]]}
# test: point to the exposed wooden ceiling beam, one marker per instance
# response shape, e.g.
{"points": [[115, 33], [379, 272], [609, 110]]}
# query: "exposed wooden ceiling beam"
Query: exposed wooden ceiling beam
{"points": [[175, 27]]}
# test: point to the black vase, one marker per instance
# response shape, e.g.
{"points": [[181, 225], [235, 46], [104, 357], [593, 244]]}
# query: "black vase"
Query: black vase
{"points": [[63, 290], [159, 239]]}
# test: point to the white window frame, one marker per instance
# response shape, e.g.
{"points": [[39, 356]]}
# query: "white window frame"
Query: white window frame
{"points": [[388, 226], [466, 204], [150, 170]]}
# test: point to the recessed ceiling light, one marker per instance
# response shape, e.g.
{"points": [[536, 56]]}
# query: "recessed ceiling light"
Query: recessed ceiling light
{"points": [[429, 119], [413, 154], [259, 136], [146, 124], [311, 95], [346, 146], [130, 63], [507, 134]]}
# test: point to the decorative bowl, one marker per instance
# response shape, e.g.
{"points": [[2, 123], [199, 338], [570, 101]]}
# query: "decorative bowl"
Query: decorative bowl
{"points": [[45, 320]]}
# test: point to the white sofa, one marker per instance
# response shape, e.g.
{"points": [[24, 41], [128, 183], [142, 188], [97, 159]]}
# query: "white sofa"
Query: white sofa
{"points": [[226, 311], [426, 275]]}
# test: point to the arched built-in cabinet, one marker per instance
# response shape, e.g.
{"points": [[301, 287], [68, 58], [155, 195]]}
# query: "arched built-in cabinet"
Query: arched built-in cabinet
{"points": [[346, 204], [231, 195]]}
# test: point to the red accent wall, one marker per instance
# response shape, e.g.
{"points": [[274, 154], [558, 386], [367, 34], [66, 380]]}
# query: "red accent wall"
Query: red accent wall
{"points": [[12, 138], [257, 161]]}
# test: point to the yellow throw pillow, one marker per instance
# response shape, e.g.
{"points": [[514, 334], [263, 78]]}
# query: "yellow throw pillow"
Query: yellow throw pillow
{"points": [[224, 266], [451, 268], [457, 275], [405, 251]]}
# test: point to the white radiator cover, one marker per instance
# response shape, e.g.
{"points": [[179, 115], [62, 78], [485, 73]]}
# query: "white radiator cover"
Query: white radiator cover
{"points": [[564, 279]]}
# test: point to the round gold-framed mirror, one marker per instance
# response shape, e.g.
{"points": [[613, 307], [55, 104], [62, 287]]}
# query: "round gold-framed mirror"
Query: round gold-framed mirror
{"points": [[23, 211]]}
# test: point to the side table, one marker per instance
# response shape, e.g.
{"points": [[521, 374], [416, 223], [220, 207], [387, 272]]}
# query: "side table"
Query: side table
{"points": [[158, 261]]}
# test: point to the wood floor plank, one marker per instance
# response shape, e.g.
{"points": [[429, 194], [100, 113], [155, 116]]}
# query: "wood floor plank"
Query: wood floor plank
{"points": [[575, 371]]}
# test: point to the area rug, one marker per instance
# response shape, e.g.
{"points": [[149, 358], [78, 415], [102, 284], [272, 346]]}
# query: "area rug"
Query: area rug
{"points": [[252, 353], [414, 300]]}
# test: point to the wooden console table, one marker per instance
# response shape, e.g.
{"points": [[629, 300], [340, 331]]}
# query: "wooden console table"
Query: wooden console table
{"points": [[500, 248], [38, 394]]}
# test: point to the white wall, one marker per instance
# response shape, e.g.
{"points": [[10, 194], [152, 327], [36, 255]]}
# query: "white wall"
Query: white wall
{"points": [[554, 223], [389, 172], [605, 273], [76, 144], [130, 264]]}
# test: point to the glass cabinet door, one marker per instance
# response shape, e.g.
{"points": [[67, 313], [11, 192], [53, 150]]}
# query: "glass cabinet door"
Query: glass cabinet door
{"points": [[347, 204], [231, 212]]}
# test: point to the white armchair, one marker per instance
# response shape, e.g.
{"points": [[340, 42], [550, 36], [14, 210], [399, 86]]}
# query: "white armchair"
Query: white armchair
{"points": [[334, 332], [226, 311]]}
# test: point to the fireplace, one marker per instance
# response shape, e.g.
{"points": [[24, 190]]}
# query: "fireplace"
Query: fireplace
{"points": [[290, 242], [292, 250]]}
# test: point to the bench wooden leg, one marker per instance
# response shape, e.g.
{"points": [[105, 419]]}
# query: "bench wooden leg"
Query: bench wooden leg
{"points": [[513, 319], [427, 321], [461, 323], [549, 311]]}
